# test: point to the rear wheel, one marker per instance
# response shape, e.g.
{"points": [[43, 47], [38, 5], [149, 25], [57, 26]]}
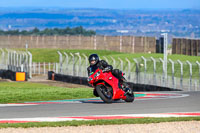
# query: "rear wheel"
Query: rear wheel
{"points": [[130, 97], [105, 93]]}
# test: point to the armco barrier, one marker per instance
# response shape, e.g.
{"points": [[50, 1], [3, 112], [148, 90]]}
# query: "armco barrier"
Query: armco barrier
{"points": [[8, 74], [1, 73], [83, 81]]}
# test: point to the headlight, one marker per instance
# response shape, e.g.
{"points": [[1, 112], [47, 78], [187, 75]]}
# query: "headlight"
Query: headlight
{"points": [[97, 74], [89, 79]]}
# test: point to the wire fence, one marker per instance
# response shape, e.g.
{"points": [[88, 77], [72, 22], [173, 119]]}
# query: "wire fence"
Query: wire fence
{"points": [[184, 75], [17, 61]]}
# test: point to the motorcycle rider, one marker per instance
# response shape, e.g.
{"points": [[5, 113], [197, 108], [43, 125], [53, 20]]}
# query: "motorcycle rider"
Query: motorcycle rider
{"points": [[95, 63]]}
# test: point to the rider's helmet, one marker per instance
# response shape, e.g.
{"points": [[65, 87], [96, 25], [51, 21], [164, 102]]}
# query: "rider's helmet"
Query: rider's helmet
{"points": [[93, 59]]}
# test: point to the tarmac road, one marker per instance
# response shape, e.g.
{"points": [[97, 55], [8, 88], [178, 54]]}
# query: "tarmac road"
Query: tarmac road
{"points": [[190, 103]]}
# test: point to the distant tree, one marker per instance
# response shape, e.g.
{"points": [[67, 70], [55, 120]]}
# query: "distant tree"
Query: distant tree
{"points": [[1, 32], [24, 32], [13, 32], [66, 31], [35, 31], [55, 31]]}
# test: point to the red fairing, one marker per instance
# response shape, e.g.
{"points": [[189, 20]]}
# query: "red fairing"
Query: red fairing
{"points": [[100, 77]]}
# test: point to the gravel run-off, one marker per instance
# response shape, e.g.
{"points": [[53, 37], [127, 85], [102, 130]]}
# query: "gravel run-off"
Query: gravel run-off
{"points": [[165, 127]]}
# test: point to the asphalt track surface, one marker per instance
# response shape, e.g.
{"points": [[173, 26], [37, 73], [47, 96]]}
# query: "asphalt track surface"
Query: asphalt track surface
{"points": [[190, 102]]}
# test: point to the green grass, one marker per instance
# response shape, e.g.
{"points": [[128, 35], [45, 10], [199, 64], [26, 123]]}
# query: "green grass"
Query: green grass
{"points": [[98, 122], [18, 92], [51, 55]]}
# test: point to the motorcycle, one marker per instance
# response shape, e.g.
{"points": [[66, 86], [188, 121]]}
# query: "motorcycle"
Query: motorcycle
{"points": [[107, 87]]}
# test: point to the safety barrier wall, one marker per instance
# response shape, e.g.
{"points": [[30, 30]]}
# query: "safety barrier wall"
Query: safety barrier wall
{"points": [[186, 46], [131, 44], [8, 74]]}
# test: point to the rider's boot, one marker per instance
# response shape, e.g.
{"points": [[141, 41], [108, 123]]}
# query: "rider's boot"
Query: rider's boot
{"points": [[123, 83], [125, 86]]}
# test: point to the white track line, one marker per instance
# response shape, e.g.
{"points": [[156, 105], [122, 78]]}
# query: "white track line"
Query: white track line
{"points": [[70, 118], [13, 105]]}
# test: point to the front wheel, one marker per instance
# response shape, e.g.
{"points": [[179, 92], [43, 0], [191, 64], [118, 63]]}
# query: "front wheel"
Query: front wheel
{"points": [[105, 93]]}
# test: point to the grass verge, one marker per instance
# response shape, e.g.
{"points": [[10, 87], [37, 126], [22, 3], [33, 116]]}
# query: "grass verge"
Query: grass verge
{"points": [[19, 92], [98, 122]]}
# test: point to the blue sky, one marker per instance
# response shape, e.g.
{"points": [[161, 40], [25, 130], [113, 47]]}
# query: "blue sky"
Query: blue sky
{"points": [[113, 4]]}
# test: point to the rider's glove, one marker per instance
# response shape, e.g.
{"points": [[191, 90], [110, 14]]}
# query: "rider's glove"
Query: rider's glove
{"points": [[107, 69]]}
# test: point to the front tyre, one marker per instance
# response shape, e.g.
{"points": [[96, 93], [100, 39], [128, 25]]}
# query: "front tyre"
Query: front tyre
{"points": [[105, 93]]}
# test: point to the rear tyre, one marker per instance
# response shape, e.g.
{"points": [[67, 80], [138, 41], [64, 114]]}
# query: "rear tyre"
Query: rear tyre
{"points": [[105, 93], [130, 97]]}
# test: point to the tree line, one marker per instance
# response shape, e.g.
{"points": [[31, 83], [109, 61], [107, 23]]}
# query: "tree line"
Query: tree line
{"points": [[50, 32]]}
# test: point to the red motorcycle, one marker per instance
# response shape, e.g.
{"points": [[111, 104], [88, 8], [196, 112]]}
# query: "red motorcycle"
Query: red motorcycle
{"points": [[107, 87]]}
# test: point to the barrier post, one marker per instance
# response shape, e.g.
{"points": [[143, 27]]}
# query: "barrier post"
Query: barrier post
{"points": [[129, 69], [154, 70], [44, 67], [26, 63], [34, 67], [73, 69], [13, 66], [145, 68], [22, 67], [11, 59], [14, 58], [173, 82], [199, 72], [23, 59], [2, 56], [60, 61], [195, 86], [163, 77], [17, 60], [67, 61], [8, 57], [86, 65], [181, 78], [56, 67], [80, 60], [190, 81], [30, 64], [39, 68], [20, 58], [137, 71]]}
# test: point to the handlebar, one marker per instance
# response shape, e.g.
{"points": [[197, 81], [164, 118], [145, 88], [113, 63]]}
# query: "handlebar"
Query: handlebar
{"points": [[106, 70]]}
